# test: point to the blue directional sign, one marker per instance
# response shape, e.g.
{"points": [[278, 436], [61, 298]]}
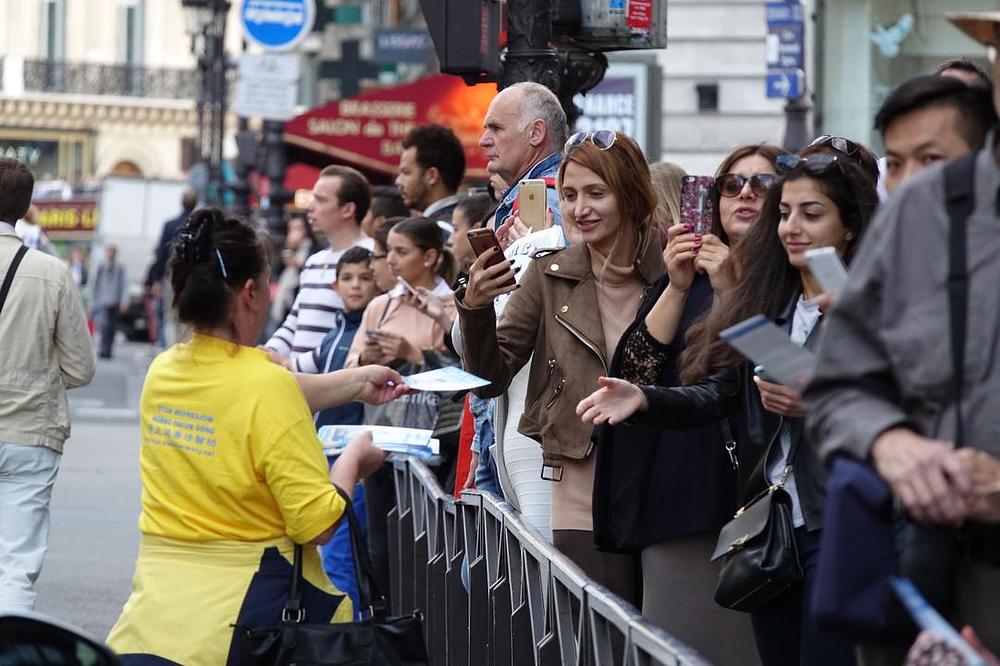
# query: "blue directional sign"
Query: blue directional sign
{"points": [[785, 48], [789, 83], [277, 25]]}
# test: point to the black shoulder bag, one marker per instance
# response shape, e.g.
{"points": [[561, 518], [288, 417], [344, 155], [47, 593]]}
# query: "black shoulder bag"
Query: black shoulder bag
{"points": [[762, 560], [9, 277], [377, 639]]}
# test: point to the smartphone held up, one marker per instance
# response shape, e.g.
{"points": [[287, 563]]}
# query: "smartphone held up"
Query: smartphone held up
{"points": [[484, 240], [696, 203]]}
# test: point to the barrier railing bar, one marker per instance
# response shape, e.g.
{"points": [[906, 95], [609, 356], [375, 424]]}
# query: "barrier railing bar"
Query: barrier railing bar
{"points": [[494, 592]]}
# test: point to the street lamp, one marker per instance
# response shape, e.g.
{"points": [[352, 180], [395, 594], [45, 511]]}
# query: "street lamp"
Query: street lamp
{"points": [[206, 25]]}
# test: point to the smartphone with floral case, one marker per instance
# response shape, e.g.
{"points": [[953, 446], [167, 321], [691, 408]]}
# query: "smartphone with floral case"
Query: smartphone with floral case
{"points": [[696, 203]]}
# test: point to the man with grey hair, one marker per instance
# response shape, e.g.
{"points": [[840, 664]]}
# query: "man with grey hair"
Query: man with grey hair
{"points": [[523, 136]]}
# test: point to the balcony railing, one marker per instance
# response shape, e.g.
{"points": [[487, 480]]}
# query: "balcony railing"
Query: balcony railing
{"points": [[125, 80]]}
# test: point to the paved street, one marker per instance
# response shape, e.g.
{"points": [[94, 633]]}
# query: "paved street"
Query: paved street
{"points": [[95, 505]]}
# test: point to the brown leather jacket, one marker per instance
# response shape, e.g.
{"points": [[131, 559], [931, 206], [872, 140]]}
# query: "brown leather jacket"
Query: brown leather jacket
{"points": [[554, 320]]}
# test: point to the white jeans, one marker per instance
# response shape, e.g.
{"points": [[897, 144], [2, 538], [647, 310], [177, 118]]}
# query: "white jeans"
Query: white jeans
{"points": [[27, 474]]}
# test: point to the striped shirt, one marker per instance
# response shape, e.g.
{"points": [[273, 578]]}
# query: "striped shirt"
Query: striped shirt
{"points": [[317, 306]]}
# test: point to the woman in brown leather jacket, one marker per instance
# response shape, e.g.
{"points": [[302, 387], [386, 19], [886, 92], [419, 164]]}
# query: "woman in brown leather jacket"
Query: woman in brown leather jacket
{"points": [[570, 311]]}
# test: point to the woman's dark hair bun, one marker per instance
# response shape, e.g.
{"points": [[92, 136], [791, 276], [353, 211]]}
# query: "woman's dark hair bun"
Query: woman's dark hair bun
{"points": [[213, 256], [194, 240]]}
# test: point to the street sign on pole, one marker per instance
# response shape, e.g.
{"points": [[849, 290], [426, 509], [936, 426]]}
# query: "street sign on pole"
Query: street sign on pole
{"points": [[788, 83], [268, 85], [785, 49], [277, 25]]}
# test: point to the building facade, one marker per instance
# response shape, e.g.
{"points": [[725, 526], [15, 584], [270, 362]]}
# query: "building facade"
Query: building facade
{"points": [[867, 47], [90, 88], [714, 72]]}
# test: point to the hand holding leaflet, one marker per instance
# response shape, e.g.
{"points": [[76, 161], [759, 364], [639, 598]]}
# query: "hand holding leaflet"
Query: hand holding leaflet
{"points": [[761, 341], [930, 620], [445, 379], [409, 441]]}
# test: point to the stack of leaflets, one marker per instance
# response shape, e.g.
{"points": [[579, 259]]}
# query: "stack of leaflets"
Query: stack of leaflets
{"points": [[408, 441]]}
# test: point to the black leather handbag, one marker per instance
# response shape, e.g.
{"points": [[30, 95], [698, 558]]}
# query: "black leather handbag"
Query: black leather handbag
{"points": [[762, 560], [376, 639]]}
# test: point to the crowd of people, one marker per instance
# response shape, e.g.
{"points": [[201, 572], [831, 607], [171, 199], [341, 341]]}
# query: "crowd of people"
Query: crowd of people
{"points": [[616, 419]]}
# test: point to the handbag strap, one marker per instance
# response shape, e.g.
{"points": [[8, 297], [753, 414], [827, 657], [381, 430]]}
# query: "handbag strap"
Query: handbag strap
{"points": [[959, 191], [9, 277], [369, 594]]}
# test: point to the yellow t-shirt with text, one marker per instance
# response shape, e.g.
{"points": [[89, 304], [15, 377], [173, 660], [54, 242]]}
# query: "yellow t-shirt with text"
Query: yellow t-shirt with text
{"points": [[229, 450]]}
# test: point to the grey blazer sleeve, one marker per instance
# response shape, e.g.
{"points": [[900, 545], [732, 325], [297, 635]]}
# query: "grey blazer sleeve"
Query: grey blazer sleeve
{"points": [[854, 396]]}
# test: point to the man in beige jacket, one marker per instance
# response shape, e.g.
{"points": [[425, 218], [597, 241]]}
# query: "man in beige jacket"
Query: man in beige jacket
{"points": [[45, 350]]}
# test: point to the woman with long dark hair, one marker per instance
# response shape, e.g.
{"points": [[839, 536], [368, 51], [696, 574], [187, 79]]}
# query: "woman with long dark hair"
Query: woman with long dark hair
{"points": [[664, 494], [822, 200]]}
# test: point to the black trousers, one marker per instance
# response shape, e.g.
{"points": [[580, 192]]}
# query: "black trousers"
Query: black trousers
{"points": [[785, 631]]}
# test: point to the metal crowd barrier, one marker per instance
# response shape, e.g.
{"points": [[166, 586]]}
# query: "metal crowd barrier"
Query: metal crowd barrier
{"points": [[522, 602]]}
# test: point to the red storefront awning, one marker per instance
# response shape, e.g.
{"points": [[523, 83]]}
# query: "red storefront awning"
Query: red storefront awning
{"points": [[367, 130]]}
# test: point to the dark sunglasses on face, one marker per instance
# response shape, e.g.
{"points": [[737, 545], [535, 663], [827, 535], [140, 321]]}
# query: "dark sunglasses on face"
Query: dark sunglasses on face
{"points": [[731, 184], [815, 164], [838, 143], [603, 139]]}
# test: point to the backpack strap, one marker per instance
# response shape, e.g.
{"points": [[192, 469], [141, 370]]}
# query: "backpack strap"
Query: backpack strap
{"points": [[959, 190], [9, 278]]}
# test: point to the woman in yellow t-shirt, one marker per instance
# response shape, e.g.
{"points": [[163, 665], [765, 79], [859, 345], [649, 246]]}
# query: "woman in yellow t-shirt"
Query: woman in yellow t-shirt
{"points": [[233, 474]]}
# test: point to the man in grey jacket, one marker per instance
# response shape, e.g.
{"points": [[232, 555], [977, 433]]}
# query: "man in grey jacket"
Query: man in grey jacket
{"points": [[883, 387], [109, 296], [46, 349]]}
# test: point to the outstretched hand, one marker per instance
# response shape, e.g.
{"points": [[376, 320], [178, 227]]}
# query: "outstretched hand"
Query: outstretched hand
{"points": [[614, 402], [378, 384]]}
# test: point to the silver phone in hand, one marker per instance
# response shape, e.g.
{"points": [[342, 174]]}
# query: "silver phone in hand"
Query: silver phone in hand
{"points": [[828, 269]]}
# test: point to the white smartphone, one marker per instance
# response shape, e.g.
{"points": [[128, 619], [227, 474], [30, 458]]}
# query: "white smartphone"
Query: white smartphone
{"points": [[828, 268]]}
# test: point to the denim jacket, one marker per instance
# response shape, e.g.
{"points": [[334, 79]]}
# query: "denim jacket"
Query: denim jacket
{"points": [[547, 168]]}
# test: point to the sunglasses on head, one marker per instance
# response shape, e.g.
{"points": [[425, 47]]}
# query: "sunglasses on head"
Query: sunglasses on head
{"points": [[815, 164], [603, 139], [838, 143], [731, 184]]}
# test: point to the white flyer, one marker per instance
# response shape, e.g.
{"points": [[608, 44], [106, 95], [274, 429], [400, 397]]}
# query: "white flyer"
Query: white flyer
{"points": [[451, 378], [760, 340], [409, 441]]}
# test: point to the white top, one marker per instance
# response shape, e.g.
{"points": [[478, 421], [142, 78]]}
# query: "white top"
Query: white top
{"points": [[317, 305], [807, 313]]}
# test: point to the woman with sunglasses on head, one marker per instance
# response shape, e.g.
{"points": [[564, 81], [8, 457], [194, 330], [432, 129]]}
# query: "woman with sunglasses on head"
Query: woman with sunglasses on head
{"points": [[823, 200], [665, 494], [569, 311], [838, 145]]}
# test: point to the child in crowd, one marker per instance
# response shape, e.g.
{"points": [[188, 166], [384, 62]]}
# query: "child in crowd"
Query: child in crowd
{"points": [[355, 284]]}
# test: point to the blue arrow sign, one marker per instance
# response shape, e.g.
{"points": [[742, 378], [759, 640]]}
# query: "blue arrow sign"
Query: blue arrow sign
{"points": [[788, 83], [277, 25]]}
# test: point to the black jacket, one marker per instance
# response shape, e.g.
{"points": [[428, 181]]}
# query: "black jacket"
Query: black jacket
{"points": [[653, 484], [732, 392], [158, 270]]}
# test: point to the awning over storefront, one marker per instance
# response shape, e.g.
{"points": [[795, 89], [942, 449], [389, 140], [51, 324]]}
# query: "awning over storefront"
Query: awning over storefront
{"points": [[367, 130]]}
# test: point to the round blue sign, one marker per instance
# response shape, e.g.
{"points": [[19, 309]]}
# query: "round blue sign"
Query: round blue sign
{"points": [[277, 25]]}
